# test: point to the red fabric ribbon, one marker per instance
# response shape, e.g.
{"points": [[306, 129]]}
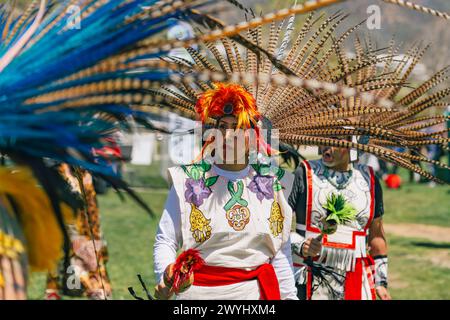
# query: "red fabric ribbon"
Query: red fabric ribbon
{"points": [[212, 276], [354, 279]]}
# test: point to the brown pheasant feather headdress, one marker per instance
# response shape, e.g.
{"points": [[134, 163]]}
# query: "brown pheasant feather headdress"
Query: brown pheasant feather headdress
{"points": [[321, 92], [315, 91]]}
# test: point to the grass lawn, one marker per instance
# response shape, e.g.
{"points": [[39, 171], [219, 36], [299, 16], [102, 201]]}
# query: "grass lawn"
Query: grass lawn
{"points": [[418, 269], [130, 235], [418, 203]]}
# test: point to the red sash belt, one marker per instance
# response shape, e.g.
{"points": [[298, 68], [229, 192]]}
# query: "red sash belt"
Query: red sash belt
{"points": [[354, 279], [211, 276]]}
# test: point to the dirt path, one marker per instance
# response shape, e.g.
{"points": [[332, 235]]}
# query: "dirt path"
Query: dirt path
{"points": [[412, 230]]}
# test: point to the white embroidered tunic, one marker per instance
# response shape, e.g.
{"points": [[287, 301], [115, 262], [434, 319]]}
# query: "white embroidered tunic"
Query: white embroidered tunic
{"points": [[341, 249], [235, 219]]}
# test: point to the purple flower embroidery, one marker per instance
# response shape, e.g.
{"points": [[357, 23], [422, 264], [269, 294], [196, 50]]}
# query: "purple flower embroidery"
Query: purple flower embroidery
{"points": [[196, 191], [262, 186]]}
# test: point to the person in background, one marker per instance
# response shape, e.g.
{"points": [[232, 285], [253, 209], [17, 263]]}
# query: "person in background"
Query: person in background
{"points": [[340, 265]]}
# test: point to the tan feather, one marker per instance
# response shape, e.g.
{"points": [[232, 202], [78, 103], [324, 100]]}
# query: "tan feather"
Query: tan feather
{"points": [[416, 7]]}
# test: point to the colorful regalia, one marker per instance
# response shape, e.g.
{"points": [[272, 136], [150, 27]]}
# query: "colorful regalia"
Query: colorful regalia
{"points": [[309, 90], [344, 269], [240, 224], [69, 73], [89, 253], [237, 222], [31, 237], [67, 82]]}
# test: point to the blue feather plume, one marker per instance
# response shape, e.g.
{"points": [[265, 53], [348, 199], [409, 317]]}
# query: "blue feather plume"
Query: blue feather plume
{"points": [[38, 118]]}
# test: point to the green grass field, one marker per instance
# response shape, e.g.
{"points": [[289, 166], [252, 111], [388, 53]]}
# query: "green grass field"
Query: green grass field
{"points": [[418, 203], [413, 272], [130, 235]]}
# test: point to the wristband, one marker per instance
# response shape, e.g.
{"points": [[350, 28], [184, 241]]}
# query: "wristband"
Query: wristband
{"points": [[381, 271]]}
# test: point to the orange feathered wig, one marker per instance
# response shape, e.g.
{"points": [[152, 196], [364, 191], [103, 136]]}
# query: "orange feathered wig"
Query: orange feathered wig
{"points": [[231, 99], [228, 99]]}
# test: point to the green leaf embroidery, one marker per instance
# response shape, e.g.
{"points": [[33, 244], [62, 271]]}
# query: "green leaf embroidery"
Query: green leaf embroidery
{"points": [[280, 173], [277, 186], [186, 171], [264, 170], [205, 166], [211, 181], [195, 173], [255, 167]]}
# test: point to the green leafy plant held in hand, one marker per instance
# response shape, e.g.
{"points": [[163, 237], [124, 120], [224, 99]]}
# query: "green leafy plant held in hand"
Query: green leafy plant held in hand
{"points": [[339, 210]]}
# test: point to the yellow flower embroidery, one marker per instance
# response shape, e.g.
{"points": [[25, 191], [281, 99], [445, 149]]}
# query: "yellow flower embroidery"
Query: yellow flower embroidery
{"points": [[200, 228], [276, 219]]}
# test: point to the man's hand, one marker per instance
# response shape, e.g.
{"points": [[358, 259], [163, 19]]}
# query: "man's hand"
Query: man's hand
{"points": [[311, 247], [162, 292], [383, 293]]}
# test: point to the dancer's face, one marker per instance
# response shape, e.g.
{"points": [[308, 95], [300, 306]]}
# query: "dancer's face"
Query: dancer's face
{"points": [[227, 126], [334, 157]]}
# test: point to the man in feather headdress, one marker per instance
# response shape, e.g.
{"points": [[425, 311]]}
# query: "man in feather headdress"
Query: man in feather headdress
{"points": [[230, 216], [322, 101], [336, 265]]}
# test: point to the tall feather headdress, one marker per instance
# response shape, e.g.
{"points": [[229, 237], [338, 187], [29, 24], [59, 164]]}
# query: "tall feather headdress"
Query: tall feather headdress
{"points": [[317, 91]]}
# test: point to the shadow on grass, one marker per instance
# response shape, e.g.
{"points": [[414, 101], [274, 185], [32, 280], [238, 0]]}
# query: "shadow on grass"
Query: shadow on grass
{"points": [[431, 245]]}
